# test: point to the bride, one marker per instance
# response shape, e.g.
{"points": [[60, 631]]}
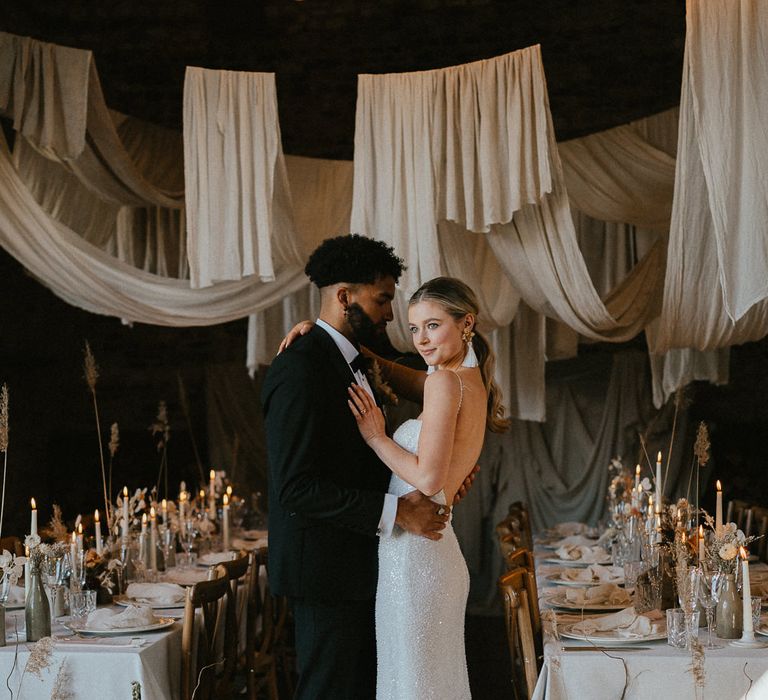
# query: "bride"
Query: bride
{"points": [[423, 584]]}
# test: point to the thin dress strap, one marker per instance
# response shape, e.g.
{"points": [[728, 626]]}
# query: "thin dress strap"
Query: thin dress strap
{"points": [[461, 385]]}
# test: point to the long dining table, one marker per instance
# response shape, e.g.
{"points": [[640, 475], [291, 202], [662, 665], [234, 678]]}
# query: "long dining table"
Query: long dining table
{"points": [[574, 669], [91, 666]]}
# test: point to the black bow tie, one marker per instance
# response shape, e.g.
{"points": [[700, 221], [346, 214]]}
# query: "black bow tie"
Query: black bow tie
{"points": [[359, 364]]}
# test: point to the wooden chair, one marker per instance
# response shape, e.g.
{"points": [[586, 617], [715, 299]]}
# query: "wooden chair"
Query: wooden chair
{"points": [[760, 529], [201, 640], [520, 635], [737, 512], [234, 571], [267, 616], [523, 559]]}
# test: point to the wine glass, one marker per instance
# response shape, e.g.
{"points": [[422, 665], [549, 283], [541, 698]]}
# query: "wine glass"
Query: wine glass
{"points": [[188, 534], [708, 594]]}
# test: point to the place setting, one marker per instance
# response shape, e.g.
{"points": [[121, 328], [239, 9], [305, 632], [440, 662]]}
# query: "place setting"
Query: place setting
{"points": [[601, 598]]}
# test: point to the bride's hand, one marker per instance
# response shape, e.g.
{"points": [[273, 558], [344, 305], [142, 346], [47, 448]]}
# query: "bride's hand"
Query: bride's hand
{"points": [[370, 419], [301, 328]]}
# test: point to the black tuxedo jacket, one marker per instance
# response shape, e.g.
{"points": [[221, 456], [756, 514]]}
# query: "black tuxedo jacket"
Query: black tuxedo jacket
{"points": [[326, 486]]}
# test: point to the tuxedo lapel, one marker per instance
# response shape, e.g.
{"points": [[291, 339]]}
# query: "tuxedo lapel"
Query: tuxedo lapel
{"points": [[335, 359]]}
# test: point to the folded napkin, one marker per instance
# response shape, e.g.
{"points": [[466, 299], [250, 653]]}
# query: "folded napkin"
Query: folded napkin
{"points": [[576, 552], [593, 574], [575, 540], [625, 623], [604, 594], [108, 619], [156, 593]]}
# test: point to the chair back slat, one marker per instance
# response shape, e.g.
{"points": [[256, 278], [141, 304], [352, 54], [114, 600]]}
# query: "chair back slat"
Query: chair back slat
{"points": [[520, 635], [199, 671]]}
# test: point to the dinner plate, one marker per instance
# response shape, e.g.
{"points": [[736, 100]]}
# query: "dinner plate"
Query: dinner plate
{"points": [[162, 623], [214, 558], [610, 636], [555, 578], [125, 601], [558, 600], [576, 562]]}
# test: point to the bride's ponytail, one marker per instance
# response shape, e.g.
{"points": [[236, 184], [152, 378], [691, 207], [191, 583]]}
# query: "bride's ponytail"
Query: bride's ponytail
{"points": [[496, 419]]}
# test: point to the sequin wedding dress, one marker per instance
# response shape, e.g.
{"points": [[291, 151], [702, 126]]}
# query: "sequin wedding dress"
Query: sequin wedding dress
{"points": [[420, 604]]}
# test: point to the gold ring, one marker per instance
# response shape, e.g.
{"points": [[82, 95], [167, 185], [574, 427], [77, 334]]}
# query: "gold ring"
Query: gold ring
{"points": [[363, 411]]}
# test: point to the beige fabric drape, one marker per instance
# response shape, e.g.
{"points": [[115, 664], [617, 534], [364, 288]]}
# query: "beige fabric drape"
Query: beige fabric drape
{"points": [[717, 279], [237, 193]]}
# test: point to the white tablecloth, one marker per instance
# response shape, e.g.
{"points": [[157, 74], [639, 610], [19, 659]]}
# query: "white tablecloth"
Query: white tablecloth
{"points": [[94, 670], [659, 673]]}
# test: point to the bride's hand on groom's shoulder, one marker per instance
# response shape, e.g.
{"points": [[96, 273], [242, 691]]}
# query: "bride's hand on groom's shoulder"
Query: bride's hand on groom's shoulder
{"points": [[301, 328], [420, 515], [370, 419]]}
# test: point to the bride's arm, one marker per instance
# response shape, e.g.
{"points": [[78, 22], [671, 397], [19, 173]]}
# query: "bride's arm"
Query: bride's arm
{"points": [[406, 382], [428, 470]]}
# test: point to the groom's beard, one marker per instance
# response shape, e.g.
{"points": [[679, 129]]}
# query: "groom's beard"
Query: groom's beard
{"points": [[372, 335]]}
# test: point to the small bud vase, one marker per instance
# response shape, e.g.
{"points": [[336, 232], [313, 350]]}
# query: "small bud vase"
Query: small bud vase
{"points": [[37, 611], [728, 608]]}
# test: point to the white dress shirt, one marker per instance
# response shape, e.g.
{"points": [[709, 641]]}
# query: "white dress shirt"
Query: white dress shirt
{"points": [[350, 352]]}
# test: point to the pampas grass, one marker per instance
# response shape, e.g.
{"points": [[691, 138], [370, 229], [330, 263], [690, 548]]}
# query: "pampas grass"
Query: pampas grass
{"points": [[4, 431], [162, 427], [91, 370]]}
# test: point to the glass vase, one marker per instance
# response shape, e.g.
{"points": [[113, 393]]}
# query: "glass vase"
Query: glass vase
{"points": [[37, 611], [728, 608]]}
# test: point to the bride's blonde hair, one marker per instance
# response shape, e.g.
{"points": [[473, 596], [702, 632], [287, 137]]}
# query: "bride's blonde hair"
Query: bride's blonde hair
{"points": [[459, 300]]}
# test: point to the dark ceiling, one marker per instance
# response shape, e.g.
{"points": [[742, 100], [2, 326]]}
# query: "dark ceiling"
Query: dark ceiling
{"points": [[607, 61]]}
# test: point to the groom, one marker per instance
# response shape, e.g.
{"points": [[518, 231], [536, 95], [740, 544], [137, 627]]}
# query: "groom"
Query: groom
{"points": [[327, 489]]}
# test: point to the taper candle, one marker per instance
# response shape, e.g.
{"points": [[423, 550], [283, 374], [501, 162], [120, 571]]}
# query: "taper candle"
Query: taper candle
{"points": [[225, 523], [33, 521], [659, 496], [746, 594], [97, 525], [125, 514], [153, 538], [719, 511]]}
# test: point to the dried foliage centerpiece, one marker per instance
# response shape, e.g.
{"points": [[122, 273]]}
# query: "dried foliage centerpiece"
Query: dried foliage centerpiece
{"points": [[91, 370], [161, 429]]}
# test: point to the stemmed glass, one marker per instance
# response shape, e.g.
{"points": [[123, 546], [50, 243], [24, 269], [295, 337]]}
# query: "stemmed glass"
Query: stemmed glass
{"points": [[687, 592], [708, 594], [56, 569], [188, 534]]}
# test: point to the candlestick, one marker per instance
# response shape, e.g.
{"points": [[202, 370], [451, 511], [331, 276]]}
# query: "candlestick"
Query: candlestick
{"points": [[97, 524], [225, 522], [33, 521], [748, 631], [26, 575], [182, 506], [658, 483], [153, 538], [125, 514], [73, 556], [719, 511]]}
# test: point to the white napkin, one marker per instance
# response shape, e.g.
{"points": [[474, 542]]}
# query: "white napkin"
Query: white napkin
{"points": [[606, 593], [593, 574], [575, 552], [156, 593], [108, 619], [569, 528], [625, 623], [186, 577]]}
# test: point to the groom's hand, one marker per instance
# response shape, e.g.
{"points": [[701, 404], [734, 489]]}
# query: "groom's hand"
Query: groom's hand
{"points": [[421, 516], [464, 488]]}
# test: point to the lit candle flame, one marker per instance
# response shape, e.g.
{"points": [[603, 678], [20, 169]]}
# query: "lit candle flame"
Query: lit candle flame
{"points": [[125, 492], [34, 505], [152, 513], [165, 504], [202, 494], [80, 529], [719, 487], [74, 537], [229, 491], [226, 500], [96, 515], [637, 470], [144, 519], [743, 553], [658, 457], [213, 475]]}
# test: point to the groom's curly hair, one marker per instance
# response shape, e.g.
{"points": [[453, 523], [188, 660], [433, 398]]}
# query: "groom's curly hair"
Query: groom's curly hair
{"points": [[352, 259]]}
